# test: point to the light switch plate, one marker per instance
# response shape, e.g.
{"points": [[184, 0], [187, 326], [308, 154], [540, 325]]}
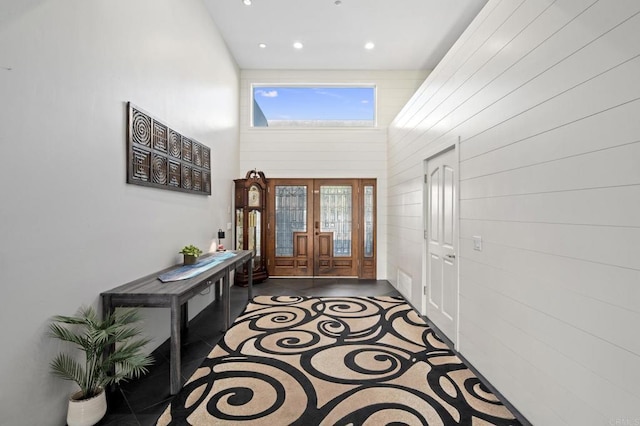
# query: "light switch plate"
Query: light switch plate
{"points": [[477, 243]]}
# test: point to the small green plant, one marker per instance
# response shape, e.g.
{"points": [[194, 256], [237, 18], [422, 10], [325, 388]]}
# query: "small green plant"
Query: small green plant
{"points": [[93, 336], [191, 250]]}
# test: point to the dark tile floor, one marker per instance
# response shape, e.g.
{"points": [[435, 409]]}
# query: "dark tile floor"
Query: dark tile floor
{"points": [[141, 402]]}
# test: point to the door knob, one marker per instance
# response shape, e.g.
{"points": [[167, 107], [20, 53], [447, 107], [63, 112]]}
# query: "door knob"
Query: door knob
{"points": [[450, 256]]}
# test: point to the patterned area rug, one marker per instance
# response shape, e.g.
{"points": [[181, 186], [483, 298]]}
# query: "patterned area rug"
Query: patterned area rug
{"points": [[333, 361]]}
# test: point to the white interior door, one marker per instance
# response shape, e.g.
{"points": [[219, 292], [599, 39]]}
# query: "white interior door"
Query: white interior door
{"points": [[442, 243]]}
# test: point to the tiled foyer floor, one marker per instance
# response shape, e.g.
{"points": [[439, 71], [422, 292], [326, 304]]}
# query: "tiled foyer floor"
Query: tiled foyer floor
{"points": [[140, 402]]}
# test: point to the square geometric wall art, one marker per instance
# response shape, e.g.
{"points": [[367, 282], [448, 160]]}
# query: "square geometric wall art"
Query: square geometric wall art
{"points": [[160, 157]]}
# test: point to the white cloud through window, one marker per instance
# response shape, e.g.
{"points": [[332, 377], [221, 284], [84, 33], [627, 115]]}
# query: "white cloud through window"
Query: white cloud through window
{"points": [[267, 94], [326, 106]]}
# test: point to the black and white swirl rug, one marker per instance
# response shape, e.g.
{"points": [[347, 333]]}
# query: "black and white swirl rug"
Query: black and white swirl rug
{"points": [[333, 361]]}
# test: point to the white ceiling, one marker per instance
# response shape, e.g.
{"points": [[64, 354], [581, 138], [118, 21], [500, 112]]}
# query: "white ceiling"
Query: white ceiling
{"points": [[408, 34]]}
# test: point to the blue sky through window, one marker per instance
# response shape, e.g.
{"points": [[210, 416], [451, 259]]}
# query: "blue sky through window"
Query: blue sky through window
{"points": [[308, 106]]}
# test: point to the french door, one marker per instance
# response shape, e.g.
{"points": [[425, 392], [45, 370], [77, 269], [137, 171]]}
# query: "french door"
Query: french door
{"points": [[321, 227]]}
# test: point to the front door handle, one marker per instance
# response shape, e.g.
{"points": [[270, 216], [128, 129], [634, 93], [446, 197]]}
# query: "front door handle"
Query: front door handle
{"points": [[450, 256]]}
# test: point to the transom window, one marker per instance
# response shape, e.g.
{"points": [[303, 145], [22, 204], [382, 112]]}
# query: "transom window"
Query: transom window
{"points": [[313, 106]]}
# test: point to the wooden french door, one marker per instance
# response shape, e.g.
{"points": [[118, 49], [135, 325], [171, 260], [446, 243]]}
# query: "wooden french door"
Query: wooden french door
{"points": [[321, 227]]}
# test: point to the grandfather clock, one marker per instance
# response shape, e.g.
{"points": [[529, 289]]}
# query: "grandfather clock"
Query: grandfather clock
{"points": [[251, 223]]}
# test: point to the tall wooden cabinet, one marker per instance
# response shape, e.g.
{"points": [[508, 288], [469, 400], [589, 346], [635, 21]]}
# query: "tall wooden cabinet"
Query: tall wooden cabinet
{"points": [[251, 223]]}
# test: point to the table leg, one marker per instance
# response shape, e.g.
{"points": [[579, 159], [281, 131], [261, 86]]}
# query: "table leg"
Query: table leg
{"points": [[250, 280], [217, 288], [175, 378], [226, 300]]}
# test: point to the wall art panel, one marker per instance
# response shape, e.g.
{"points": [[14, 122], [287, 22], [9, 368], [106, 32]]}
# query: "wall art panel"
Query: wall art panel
{"points": [[160, 157]]}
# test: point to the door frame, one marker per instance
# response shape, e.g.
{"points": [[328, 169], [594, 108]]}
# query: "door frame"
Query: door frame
{"points": [[447, 145], [366, 267]]}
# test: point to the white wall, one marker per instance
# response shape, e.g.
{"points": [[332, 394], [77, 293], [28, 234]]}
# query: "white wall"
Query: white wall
{"points": [[327, 153], [546, 98], [70, 227]]}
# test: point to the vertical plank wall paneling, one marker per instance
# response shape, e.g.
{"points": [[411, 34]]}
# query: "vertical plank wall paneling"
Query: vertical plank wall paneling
{"points": [[545, 97], [327, 153]]}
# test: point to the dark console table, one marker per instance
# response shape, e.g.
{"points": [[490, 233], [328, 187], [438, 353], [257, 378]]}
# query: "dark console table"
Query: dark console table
{"points": [[149, 291]]}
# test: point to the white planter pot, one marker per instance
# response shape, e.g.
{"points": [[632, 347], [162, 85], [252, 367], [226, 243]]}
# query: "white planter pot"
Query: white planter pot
{"points": [[86, 412]]}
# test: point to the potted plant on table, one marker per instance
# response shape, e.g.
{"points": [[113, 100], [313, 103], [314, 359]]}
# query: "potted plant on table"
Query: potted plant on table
{"points": [[93, 336], [190, 254]]}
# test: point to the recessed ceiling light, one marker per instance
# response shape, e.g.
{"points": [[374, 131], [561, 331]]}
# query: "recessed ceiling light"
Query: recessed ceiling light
{"points": [[298, 45], [369, 45], [262, 45], [246, 2]]}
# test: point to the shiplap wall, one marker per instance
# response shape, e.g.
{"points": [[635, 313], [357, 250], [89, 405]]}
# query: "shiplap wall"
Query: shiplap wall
{"points": [[545, 97], [327, 153]]}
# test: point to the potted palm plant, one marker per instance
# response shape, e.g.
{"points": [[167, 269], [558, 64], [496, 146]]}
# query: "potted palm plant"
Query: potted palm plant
{"points": [[190, 254], [93, 336]]}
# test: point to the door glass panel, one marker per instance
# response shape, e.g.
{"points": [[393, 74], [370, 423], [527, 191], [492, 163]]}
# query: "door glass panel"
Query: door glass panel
{"points": [[239, 226], [291, 216], [254, 232], [335, 217], [368, 221]]}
